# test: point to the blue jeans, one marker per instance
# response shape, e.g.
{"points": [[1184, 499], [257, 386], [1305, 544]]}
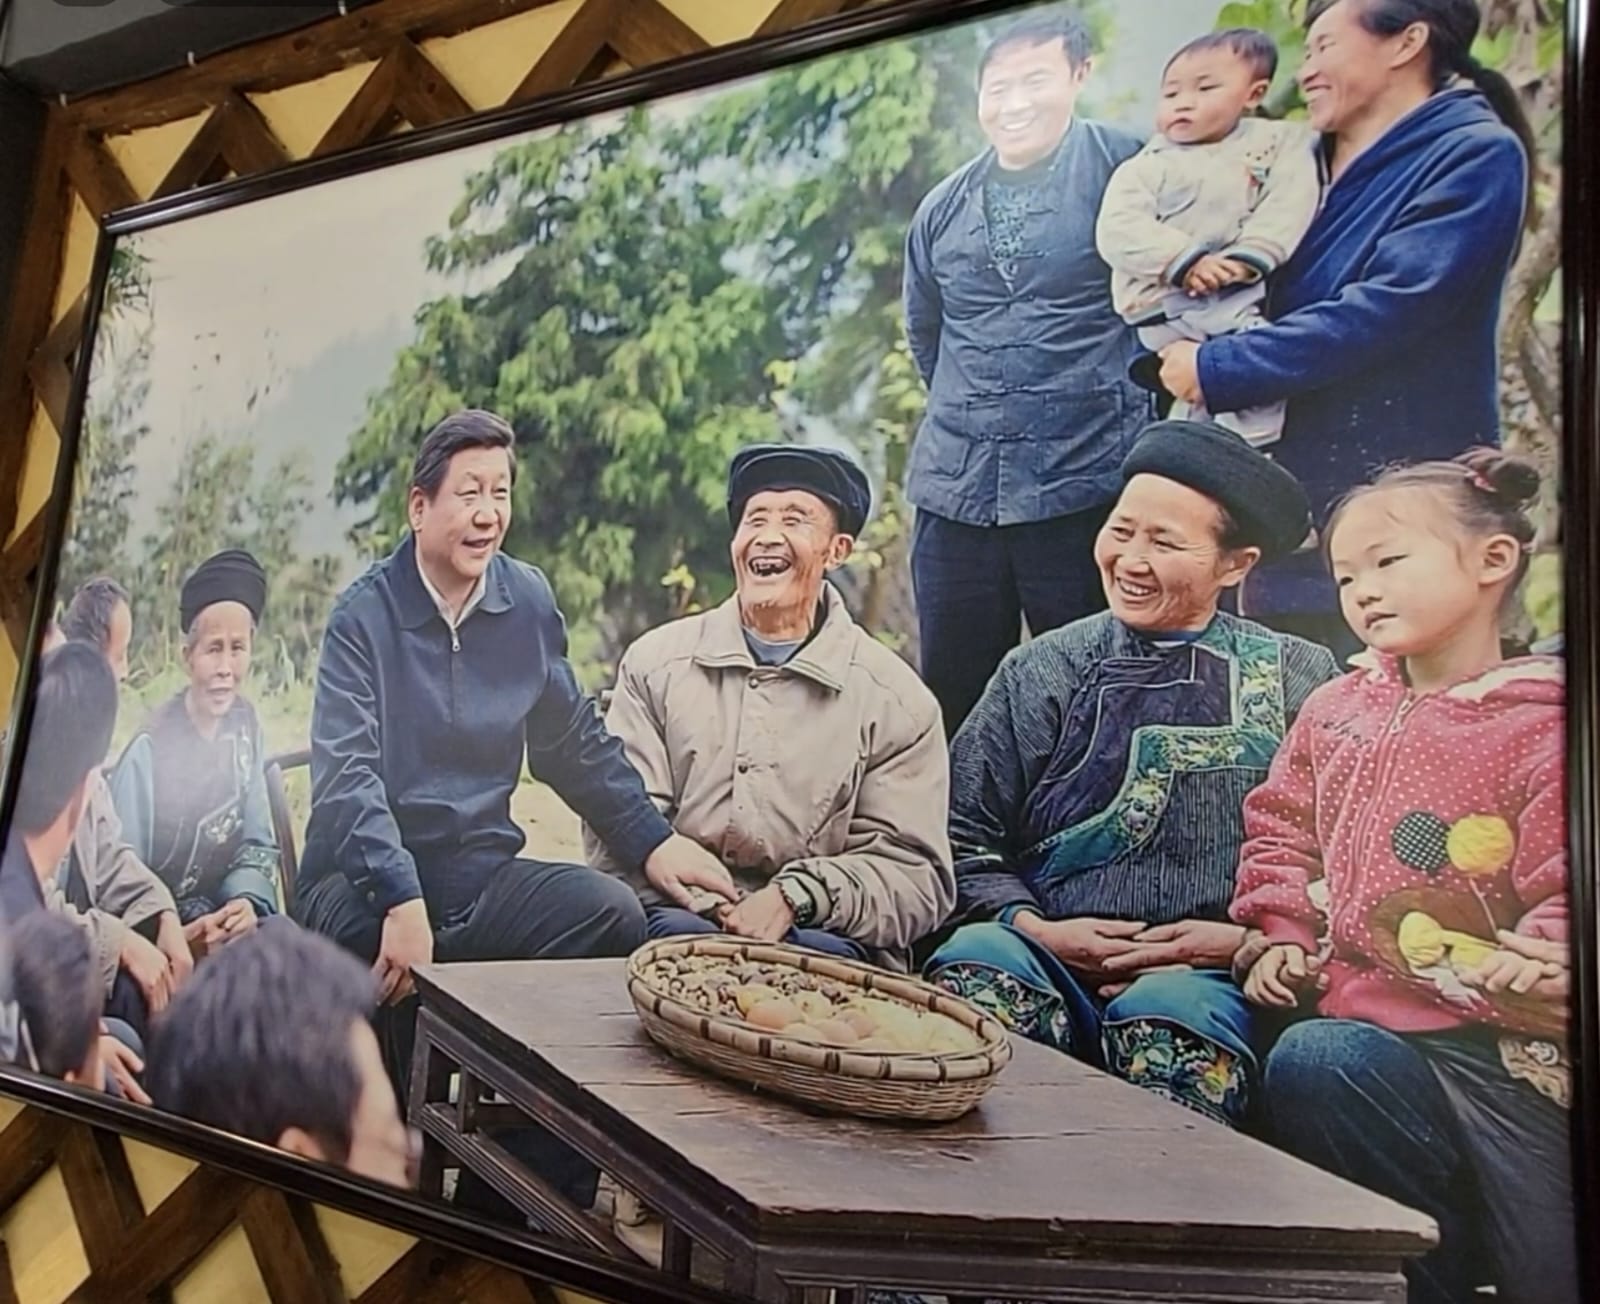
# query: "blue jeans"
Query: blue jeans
{"points": [[1190, 1037], [1435, 1122], [674, 921]]}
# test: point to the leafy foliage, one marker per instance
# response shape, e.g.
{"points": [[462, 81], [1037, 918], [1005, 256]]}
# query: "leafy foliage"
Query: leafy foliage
{"points": [[653, 291]]}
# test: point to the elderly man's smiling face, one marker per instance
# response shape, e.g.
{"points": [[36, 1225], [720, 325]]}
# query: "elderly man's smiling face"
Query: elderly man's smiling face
{"points": [[786, 542]]}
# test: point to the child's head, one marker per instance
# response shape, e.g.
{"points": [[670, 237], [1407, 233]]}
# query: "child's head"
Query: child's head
{"points": [[1427, 551], [1214, 81], [58, 994]]}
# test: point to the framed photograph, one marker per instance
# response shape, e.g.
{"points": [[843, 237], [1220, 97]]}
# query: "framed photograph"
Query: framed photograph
{"points": [[942, 658]]}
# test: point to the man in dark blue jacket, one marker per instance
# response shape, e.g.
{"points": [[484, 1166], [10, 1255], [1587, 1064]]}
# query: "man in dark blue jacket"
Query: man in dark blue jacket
{"points": [[1030, 408], [442, 667]]}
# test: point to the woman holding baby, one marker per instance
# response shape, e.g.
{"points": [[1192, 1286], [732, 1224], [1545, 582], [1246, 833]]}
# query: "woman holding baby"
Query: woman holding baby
{"points": [[1382, 323]]}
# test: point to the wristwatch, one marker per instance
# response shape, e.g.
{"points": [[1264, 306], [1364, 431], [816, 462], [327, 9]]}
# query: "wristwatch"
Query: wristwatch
{"points": [[797, 893]]}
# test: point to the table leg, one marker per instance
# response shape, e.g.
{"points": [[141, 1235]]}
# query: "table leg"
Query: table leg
{"points": [[677, 1250], [430, 1081]]}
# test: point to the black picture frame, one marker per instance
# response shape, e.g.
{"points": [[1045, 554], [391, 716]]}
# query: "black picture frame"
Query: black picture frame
{"points": [[573, 1267]]}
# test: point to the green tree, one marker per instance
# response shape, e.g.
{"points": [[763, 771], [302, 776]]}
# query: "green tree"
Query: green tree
{"points": [[112, 428], [218, 500], [103, 475], [619, 340], [653, 291], [204, 511]]}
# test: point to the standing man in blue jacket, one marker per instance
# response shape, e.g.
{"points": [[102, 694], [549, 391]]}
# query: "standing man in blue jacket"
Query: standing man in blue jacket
{"points": [[1030, 409]]}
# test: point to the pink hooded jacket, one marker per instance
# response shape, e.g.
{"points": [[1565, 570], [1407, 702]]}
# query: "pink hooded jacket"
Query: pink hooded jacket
{"points": [[1387, 812]]}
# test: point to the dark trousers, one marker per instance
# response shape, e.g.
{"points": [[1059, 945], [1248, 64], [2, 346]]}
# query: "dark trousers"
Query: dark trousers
{"points": [[125, 1003], [1436, 1123], [976, 584], [529, 911], [674, 921]]}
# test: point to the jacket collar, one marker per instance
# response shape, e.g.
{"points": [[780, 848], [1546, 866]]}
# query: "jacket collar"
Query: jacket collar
{"points": [[1456, 106], [825, 659], [1129, 642], [416, 604], [1514, 676]]}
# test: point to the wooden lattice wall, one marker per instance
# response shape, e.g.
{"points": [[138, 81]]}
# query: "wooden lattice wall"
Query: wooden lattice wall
{"points": [[390, 66], [91, 1218]]}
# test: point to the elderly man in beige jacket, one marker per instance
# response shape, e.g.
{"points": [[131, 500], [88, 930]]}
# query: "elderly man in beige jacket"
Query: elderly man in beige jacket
{"points": [[779, 735]]}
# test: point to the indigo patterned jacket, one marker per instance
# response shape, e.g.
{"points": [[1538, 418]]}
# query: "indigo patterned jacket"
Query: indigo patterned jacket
{"points": [[1103, 774], [1030, 409], [195, 809]]}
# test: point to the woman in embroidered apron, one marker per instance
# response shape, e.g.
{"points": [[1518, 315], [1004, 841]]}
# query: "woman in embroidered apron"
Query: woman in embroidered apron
{"points": [[190, 787], [1097, 787]]}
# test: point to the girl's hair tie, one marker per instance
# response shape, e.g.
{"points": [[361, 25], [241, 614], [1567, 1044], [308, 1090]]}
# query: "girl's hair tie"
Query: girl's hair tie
{"points": [[1478, 480]]}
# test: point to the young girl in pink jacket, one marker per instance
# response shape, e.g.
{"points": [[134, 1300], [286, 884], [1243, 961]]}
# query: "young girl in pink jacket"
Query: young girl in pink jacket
{"points": [[1405, 874]]}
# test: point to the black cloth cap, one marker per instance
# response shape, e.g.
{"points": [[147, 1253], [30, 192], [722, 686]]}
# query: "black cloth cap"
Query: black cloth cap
{"points": [[230, 576], [1268, 503], [831, 475]]}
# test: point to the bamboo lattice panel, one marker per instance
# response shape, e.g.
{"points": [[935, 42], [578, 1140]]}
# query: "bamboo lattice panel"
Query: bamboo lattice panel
{"points": [[86, 1218]]}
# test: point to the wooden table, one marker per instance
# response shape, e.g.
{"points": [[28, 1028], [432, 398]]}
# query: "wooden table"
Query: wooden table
{"points": [[1064, 1184]]}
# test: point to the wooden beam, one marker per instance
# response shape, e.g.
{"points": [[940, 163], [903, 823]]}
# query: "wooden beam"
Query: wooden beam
{"points": [[101, 1190], [51, 368], [100, 183], [370, 113], [423, 94], [8, 1283], [426, 1274], [790, 14], [235, 138], [647, 32], [180, 1229], [248, 143], [32, 301], [289, 1249], [285, 60], [570, 55], [28, 1147], [200, 160], [18, 561]]}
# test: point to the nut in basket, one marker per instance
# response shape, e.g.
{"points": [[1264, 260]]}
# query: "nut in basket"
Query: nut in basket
{"points": [[833, 1033]]}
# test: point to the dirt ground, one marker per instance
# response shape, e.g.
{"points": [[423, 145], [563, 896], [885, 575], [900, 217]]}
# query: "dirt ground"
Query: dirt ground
{"points": [[552, 829]]}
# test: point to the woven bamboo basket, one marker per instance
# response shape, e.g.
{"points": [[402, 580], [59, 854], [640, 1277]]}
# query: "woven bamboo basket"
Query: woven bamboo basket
{"points": [[911, 1085]]}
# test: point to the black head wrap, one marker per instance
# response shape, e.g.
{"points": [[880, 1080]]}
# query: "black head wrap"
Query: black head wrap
{"points": [[829, 474], [1268, 504], [230, 576]]}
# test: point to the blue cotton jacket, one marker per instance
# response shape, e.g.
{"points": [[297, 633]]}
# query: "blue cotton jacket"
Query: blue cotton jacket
{"points": [[1030, 409], [1382, 336], [418, 737], [1104, 775]]}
